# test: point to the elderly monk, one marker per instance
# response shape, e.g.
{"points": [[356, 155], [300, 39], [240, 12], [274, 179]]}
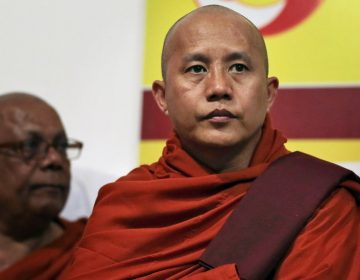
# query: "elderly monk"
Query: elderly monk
{"points": [[35, 175], [156, 222]]}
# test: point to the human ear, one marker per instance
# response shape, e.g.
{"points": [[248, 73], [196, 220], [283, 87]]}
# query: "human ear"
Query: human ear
{"points": [[158, 92], [272, 90]]}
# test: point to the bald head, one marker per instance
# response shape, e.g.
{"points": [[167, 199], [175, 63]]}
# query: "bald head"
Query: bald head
{"points": [[19, 111], [19, 98], [14, 105], [211, 13]]}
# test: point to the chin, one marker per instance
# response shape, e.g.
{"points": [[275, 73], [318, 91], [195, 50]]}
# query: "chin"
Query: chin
{"points": [[219, 140], [48, 209], [221, 146], [49, 213]]}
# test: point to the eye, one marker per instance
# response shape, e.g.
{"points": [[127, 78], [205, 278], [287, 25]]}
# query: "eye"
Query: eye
{"points": [[196, 69], [238, 67], [31, 146], [61, 145]]}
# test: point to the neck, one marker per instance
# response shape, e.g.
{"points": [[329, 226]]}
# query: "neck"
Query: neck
{"points": [[13, 249], [226, 159]]}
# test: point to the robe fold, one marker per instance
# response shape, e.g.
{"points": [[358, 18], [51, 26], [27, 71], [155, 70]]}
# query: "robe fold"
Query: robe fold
{"points": [[48, 262], [157, 221]]}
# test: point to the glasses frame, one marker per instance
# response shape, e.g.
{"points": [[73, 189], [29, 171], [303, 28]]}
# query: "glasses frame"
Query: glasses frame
{"points": [[16, 149]]}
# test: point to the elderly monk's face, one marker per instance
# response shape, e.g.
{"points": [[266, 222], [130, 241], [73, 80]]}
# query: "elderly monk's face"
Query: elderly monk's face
{"points": [[216, 89], [32, 187]]}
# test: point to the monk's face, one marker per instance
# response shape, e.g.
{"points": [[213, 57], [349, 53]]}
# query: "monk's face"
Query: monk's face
{"points": [[35, 186], [216, 91]]}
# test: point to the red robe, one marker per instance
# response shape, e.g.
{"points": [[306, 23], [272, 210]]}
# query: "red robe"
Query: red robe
{"points": [[48, 262], [156, 222]]}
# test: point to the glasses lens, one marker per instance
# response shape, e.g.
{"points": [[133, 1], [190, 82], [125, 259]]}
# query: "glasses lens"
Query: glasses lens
{"points": [[33, 148], [73, 149]]}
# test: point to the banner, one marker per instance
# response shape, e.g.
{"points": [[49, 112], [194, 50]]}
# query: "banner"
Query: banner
{"points": [[313, 50]]}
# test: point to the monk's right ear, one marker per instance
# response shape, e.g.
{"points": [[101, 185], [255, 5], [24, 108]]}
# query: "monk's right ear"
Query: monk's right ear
{"points": [[158, 91]]}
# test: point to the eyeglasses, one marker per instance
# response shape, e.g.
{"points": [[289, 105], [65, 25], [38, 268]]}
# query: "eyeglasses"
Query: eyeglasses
{"points": [[35, 148]]}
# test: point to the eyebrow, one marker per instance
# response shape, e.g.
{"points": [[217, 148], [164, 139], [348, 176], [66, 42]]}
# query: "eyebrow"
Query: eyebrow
{"points": [[39, 135], [238, 56], [196, 57], [230, 57]]}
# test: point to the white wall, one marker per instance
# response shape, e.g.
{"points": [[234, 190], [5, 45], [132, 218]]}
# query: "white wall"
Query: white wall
{"points": [[84, 57]]}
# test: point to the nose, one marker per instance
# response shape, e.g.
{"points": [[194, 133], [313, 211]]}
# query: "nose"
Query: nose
{"points": [[218, 86], [53, 160]]}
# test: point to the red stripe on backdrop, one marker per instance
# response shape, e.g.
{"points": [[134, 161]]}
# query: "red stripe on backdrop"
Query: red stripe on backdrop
{"points": [[298, 112], [154, 124]]}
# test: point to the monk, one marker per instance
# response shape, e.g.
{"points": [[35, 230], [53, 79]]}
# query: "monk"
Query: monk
{"points": [[157, 221], [35, 155]]}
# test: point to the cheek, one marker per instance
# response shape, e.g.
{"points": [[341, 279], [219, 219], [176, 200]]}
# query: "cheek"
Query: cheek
{"points": [[61, 176], [11, 187], [67, 172], [14, 174], [180, 101], [256, 105], [182, 115], [260, 94]]}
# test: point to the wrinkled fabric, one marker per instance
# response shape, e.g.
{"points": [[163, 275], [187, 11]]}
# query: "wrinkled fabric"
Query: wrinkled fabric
{"points": [[48, 262], [156, 222]]}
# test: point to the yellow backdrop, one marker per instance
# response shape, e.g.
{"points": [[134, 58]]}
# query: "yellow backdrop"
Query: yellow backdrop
{"points": [[321, 50]]}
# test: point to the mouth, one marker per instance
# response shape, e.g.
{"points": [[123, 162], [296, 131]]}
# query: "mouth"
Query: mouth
{"points": [[219, 116], [48, 188]]}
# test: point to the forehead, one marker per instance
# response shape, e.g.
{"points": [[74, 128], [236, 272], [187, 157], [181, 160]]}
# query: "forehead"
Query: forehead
{"points": [[214, 30], [18, 120]]}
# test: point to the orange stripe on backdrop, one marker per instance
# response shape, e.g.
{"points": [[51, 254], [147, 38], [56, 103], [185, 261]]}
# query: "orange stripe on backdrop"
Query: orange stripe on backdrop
{"points": [[328, 112]]}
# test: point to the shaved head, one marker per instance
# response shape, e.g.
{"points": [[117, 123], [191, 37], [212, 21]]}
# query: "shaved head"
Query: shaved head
{"points": [[219, 12], [16, 105], [20, 98]]}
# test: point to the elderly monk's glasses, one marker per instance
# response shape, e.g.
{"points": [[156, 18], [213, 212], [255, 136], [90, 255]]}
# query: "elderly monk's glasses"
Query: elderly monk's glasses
{"points": [[37, 148]]}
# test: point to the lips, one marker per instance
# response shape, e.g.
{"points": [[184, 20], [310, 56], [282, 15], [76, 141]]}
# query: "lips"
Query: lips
{"points": [[55, 187], [218, 114]]}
